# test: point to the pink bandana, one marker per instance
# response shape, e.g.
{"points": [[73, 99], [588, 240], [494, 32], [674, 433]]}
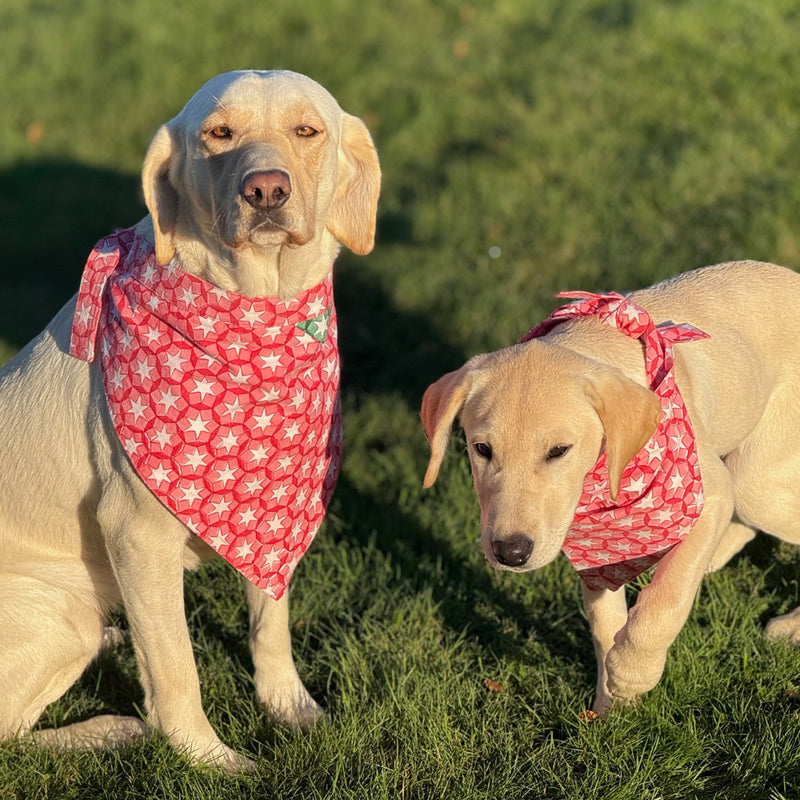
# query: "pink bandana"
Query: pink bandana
{"points": [[227, 407], [661, 492]]}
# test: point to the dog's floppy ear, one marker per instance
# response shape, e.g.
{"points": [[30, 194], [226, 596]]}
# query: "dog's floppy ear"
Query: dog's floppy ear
{"points": [[440, 406], [629, 413], [352, 215], [159, 194]]}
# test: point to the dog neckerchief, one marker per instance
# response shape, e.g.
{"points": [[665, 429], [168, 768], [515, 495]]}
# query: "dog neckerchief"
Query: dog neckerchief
{"points": [[661, 491], [228, 407]]}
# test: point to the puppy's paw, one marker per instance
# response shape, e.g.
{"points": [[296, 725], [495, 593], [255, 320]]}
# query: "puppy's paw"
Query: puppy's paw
{"points": [[785, 627], [292, 705], [632, 671], [216, 755], [230, 761]]}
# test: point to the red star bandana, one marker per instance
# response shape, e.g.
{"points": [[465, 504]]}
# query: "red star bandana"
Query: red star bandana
{"points": [[228, 407], [661, 492]]}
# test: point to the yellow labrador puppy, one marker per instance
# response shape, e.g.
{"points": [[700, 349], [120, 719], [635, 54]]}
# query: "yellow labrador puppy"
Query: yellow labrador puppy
{"points": [[251, 188], [558, 426]]}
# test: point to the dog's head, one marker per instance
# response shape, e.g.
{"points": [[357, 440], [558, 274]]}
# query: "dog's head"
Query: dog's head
{"points": [[258, 161], [536, 418]]}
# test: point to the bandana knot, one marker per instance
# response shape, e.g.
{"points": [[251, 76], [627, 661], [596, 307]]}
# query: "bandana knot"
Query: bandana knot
{"points": [[228, 407], [661, 492]]}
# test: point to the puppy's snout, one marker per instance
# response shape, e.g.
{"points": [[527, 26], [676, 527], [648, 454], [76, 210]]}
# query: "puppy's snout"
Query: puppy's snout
{"points": [[267, 190], [513, 551]]}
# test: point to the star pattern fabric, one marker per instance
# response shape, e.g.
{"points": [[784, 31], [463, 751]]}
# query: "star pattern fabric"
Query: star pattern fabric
{"points": [[228, 407], [661, 491]]}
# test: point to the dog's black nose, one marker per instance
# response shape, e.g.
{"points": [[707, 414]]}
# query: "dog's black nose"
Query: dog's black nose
{"points": [[267, 190], [513, 551]]}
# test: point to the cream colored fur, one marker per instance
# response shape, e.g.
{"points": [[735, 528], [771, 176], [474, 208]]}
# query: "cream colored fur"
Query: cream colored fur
{"points": [[79, 532], [583, 386]]}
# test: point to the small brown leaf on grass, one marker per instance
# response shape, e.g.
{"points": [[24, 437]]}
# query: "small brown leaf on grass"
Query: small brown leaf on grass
{"points": [[588, 716], [492, 686], [34, 133]]}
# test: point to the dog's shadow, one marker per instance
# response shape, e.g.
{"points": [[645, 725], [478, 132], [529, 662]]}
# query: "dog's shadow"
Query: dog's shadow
{"points": [[52, 213]]}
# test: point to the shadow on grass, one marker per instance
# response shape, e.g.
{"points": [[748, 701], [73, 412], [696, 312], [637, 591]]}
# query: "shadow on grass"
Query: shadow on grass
{"points": [[52, 213]]}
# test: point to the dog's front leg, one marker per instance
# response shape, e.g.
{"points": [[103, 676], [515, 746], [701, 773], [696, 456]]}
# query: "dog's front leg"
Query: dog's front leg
{"points": [[636, 661], [278, 686], [145, 546], [607, 612]]}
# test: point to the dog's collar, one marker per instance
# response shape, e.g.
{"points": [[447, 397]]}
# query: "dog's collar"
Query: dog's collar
{"points": [[661, 491], [227, 406]]}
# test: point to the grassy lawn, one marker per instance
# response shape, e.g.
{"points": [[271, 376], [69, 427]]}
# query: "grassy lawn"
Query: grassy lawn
{"points": [[527, 147]]}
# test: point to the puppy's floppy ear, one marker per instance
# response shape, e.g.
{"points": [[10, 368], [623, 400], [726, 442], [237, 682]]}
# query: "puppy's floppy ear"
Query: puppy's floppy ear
{"points": [[351, 217], [159, 194], [629, 413], [441, 404]]}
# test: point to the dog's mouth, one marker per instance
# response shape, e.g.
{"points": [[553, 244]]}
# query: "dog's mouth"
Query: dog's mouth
{"points": [[271, 231]]}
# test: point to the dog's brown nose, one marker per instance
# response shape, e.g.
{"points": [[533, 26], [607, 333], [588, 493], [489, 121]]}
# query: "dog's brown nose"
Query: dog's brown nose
{"points": [[513, 551], [267, 190]]}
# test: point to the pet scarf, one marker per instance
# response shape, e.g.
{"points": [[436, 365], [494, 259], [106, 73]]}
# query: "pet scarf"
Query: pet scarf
{"points": [[228, 407], [661, 492]]}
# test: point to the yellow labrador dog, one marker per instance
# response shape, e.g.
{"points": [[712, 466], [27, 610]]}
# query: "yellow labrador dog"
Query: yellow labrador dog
{"points": [[252, 187], [539, 416]]}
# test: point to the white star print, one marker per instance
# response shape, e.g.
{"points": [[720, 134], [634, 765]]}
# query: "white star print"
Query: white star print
{"points": [[220, 541], [221, 506], [262, 420], [143, 370], [298, 400], [229, 441], [254, 485], [163, 437], [247, 516], [272, 557], [189, 297], [245, 550], [137, 408], [272, 361], [292, 431], [251, 315], [175, 362], [204, 387], [197, 425], [226, 474], [207, 325], [168, 399], [195, 459], [160, 475], [191, 493], [259, 453], [316, 306]]}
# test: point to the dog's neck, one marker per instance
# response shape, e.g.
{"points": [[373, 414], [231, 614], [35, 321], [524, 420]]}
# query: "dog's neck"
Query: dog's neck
{"points": [[282, 271]]}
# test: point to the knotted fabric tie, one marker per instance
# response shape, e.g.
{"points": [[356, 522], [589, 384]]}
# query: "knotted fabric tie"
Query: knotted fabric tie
{"points": [[661, 491], [228, 407]]}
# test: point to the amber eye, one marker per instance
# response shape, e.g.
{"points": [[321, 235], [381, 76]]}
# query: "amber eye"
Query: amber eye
{"points": [[306, 131], [220, 132]]}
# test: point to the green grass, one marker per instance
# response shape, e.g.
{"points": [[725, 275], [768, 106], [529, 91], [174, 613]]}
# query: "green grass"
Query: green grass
{"points": [[597, 144]]}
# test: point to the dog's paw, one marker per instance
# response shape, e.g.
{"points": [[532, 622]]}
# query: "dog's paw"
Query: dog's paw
{"points": [[216, 755], [632, 671], [786, 627], [228, 760], [292, 706]]}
